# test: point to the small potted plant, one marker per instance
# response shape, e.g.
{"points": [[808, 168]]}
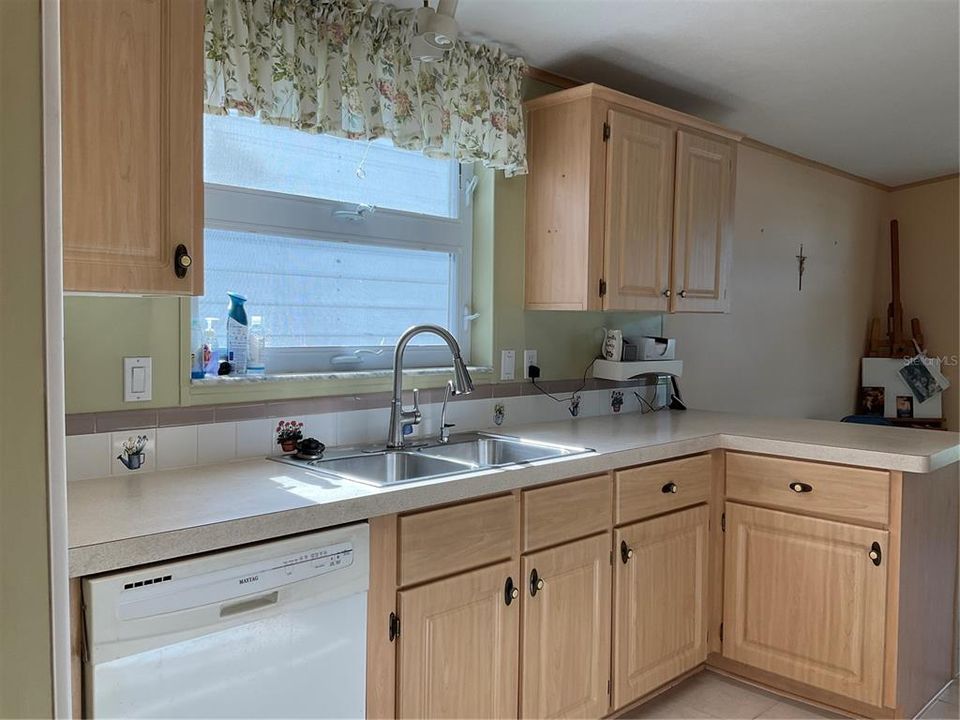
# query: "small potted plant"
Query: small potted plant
{"points": [[289, 432]]}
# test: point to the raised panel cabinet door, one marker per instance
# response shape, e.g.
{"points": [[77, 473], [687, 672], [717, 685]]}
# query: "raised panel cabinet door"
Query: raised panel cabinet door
{"points": [[660, 608], [565, 645], [132, 81], [564, 207], [459, 646], [805, 598], [639, 212], [703, 224]]}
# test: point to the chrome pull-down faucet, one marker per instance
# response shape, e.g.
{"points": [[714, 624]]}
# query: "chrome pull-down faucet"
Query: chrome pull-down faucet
{"points": [[401, 417]]}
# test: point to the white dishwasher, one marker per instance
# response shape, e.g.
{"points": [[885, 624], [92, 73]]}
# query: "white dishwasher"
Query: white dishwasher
{"points": [[269, 631]]}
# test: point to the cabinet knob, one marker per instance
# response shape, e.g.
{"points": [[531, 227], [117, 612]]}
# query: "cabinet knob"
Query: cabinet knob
{"points": [[876, 555], [667, 293], [181, 261], [510, 591], [625, 552], [670, 488], [799, 487], [683, 293], [536, 582]]}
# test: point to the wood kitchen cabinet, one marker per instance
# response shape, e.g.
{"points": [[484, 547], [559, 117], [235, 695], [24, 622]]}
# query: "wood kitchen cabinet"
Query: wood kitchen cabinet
{"points": [[660, 601], [805, 598], [132, 141], [703, 224], [565, 645], [629, 205], [458, 648]]}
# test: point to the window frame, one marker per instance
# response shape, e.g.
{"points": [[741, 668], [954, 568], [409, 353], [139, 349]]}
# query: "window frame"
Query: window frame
{"points": [[255, 211]]}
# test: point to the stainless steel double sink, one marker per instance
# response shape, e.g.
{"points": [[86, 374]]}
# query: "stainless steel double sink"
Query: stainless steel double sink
{"points": [[463, 454]]}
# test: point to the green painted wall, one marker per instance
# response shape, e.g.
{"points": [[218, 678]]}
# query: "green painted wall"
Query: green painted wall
{"points": [[100, 331], [26, 688]]}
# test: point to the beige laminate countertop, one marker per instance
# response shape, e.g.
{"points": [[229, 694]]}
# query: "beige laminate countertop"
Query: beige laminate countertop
{"points": [[120, 522]]}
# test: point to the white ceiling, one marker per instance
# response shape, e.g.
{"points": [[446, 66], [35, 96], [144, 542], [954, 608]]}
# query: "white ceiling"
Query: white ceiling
{"points": [[868, 86]]}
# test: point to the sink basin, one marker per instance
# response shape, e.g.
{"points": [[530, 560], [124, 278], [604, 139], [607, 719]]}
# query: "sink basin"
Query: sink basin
{"points": [[463, 454], [495, 451], [388, 468]]}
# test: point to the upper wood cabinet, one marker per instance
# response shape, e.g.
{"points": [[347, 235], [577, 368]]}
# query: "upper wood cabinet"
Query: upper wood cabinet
{"points": [[703, 223], [629, 205], [132, 80], [805, 598]]}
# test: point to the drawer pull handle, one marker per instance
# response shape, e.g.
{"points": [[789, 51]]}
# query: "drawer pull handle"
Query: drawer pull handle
{"points": [[536, 583], [799, 487], [876, 555], [670, 488], [625, 552], [510, 591]]}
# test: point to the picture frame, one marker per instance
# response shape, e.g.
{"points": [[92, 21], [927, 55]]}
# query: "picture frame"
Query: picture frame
{"points": [[904, 406], [872, 400]]}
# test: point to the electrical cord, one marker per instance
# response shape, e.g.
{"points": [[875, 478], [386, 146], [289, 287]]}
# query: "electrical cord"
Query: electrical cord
{"points": [[583, 384]]}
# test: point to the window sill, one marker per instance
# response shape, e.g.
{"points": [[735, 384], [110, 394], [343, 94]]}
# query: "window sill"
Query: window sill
{"points": [[347, 375]]}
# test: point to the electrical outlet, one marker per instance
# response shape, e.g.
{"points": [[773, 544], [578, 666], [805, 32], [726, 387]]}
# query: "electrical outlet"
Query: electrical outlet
{"points": [[508, 364], [529, 358]]}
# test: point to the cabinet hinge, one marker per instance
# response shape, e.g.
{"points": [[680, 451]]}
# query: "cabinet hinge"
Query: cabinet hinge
{"points": [[609, 687], [606, 131], [394, 631], [721, 632], [723, 522], [611, 557], [603, 287]]}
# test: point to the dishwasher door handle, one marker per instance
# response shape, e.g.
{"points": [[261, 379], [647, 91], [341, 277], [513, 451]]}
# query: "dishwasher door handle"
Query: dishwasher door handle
{"points": [[250, 604]]}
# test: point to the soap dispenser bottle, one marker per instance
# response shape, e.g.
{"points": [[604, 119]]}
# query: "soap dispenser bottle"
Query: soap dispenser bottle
{"points": [[237, 339], [208, 352]]}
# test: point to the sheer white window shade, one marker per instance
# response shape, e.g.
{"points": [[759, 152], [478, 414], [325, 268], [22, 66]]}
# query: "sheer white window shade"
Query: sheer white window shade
{"points": [[327, 284], [243, 152]]}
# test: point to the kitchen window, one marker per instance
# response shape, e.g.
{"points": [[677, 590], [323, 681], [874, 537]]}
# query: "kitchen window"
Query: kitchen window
{"points": [[339, 245]]}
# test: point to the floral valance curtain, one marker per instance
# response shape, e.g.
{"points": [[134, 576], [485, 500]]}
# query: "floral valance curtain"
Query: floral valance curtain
{"points": [[344, 67]]}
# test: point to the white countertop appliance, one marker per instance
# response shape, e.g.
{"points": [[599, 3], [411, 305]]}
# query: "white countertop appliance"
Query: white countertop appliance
{"points": [[276, 630]]}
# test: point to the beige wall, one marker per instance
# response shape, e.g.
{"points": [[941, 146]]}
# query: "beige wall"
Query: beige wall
{"points": [[780, 351], [25, 674], [929, 274]]}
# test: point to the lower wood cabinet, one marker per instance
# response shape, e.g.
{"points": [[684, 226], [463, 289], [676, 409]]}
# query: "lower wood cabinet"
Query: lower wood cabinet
{"points": [[659, 610], [805, 598], [565, 645], [458, 648]]}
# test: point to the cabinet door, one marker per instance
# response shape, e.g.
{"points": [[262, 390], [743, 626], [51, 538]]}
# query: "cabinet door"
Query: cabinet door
{"points": [[565, 647], [132, 78], [804, 599], [639, 213], [459, 646], [659, 612], [703, 224]]}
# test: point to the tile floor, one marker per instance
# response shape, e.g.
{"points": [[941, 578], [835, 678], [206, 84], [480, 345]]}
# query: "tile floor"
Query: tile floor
{"points": [[709, 695]]}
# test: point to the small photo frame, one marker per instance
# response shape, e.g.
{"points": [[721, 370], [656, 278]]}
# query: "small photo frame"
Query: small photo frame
{"points": [[904, 406], [871, 400]]}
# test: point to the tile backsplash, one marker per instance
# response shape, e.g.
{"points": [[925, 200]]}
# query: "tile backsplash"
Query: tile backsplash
{"points": [[94, 455]]}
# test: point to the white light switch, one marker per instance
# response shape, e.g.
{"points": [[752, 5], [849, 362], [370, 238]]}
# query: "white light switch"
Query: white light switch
{"points": [[137, 379], [508, 364]]}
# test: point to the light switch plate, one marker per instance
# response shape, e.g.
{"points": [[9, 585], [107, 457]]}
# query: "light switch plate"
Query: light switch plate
{"points": [[137, 379], [508, 364]]}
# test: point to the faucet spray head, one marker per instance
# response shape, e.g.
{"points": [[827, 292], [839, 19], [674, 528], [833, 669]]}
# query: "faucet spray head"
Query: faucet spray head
{"points": [[462, 382]]}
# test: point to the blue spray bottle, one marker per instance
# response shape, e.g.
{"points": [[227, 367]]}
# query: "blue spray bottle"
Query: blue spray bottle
{"points": [[237, 341]]}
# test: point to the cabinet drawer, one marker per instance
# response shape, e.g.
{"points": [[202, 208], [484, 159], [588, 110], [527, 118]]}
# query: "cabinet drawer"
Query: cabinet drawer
{"points": [[441, 542], [833, 490], [654, 489], [570, 510]]}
